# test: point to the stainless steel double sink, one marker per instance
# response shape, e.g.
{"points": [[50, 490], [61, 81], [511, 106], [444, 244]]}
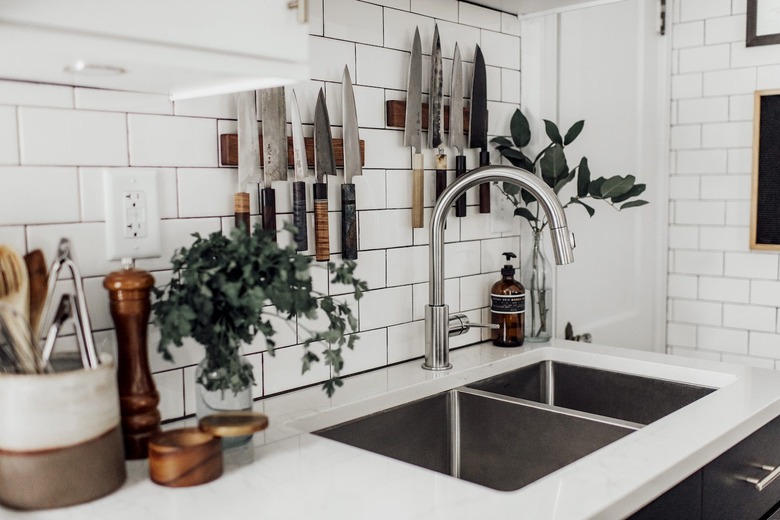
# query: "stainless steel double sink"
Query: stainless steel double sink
{"points": [[507, 431]]}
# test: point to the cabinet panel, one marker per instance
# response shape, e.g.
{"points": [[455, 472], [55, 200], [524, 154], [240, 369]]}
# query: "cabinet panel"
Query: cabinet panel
{"points": [[682, 502]]}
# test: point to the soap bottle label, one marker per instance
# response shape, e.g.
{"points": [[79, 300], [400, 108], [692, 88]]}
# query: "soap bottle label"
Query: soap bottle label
{"points": [[507, 303]]}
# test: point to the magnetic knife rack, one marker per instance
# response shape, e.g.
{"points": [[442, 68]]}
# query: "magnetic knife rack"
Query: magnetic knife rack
{"points": [[229, 151], [396, 115]]}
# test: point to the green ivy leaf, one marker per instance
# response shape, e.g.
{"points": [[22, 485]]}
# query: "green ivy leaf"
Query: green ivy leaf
{"points": [[583, 178], [635, 191], [553, 165], [616, 186], [588, 208], [552, 132], [633, 204], [520, 129], [573, 132]]}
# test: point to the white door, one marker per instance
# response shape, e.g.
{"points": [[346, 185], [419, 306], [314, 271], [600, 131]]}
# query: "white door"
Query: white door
{"points": [[608, 67]]}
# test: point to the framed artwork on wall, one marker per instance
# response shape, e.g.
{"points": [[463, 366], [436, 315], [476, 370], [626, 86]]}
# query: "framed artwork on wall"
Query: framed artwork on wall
{"points": [[763, 22], [765, 189]]}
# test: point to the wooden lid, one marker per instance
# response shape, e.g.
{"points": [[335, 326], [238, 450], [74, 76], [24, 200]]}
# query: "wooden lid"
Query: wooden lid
{"points": [[233, 424], [128, 279]]}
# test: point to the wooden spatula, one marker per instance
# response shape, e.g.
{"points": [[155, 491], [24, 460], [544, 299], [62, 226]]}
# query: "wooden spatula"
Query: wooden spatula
{"points": [[38, 275]]}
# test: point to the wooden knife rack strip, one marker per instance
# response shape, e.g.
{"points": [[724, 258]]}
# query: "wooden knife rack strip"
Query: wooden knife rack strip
{"points": [[396, 115], [229, 151]]}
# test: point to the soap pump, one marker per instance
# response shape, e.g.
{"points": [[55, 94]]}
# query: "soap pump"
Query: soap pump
{"points": [[507, 307]]}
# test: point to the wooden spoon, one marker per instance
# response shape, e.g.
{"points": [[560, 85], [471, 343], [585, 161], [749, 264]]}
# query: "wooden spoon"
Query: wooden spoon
{"points": [[36, 268], [15, 294]]}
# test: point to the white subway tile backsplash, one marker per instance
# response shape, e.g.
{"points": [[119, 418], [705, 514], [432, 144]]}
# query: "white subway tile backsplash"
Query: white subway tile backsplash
{"points": [[479, 16], [738, 213], [463, 259], [177, 234], [370, 352], [221, 106], [407, 265], [696, 312], [751, 265], [724, 289], [170, 386], [684, 187], [704, 110], [475, 290], [741, 108], [683, 237], [510, 24], [9, 139], [13, 236], [387, 149], [765, 292], [701, 161], [370, 190], [725, 29], [711, 57], [742, 56], [72, 138], [385, 229], [698, 262], [374, 63], [467, 39], [353, 20], [725, 135], [282, 371], [403, 341], [768, 77], [493, 83], [704, 9], [510, 86], [699, 212], [328, 57], [384, 307], [724, 238], [764, 344], [686, 86], [725, 82], [724, 340], [688, 34], [421, 297], [749, 317], [208, 192], [740, 160], [35, 94], [440, 9], [39, 195], [682, 286], [500, 50], [681, 335], [117, 101], [399, 30], [725, 187], [686, 136], [172, 141]]}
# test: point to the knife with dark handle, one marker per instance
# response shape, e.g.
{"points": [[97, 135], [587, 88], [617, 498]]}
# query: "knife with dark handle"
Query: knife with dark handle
{"points": [[324, 164], [352, 166], [413, 129], [478, 126], [248, 155], [274, 151], [435, 116], [457, 139], [301, 168]]}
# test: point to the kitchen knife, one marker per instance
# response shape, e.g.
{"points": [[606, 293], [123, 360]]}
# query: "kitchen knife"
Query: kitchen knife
{"points": [[435, 116], [413, 128], [478, 124], [248, 155], [352, 167], [324, 164], [274, 151], [301, 168], [457, 139]]}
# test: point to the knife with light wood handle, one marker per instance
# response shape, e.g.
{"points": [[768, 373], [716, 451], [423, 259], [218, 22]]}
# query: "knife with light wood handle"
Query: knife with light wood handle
{"points": [[413, 129], [324, 165], [248, 155], [352, 167]]}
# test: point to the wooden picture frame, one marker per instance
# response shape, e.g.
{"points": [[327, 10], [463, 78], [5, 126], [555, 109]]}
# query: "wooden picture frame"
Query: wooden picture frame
{"points": [[765, 187], [763, 22]]}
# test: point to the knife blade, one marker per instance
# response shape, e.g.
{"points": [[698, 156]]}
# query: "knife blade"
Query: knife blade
{"points": [[413, 128], [274, 151], [435, 116], [324, 164], [352, 167], [478, 123], [457, 139], [248, 155], [301, 168]]}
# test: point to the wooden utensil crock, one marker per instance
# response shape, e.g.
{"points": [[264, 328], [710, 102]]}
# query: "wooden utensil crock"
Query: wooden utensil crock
{"points": [[130, 308]]}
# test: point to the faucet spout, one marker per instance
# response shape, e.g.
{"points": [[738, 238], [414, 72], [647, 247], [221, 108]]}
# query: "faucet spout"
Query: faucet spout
{"points": [[437, 312]]}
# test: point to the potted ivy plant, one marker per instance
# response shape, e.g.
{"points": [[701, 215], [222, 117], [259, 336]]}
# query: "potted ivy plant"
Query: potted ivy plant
{"points": [[618, 192], [223, 292]]}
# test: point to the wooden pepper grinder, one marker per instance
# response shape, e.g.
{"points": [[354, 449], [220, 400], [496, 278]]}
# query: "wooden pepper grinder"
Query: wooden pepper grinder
{"points": [[138, 398]]}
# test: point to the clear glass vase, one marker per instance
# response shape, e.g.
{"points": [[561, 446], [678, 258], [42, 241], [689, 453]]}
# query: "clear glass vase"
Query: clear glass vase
{"points": [[209, 402], [536, 277]]}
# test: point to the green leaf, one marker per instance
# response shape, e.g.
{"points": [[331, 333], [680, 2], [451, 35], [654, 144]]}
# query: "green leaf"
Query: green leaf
{"points": [[525, 213], [635, 191], [552, 132], [573, 132], [583, 178], [633, 204], [527, 197], [520, 129], [616, 186], [502, 141], [553, 165], [510, 188], [589, 209], [564, 181], [594, 189]]}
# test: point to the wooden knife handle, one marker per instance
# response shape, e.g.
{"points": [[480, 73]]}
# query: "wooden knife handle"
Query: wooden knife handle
{"points": [[268, 196], [418, 191], [484, 189], [460, 170], [241, 210], [348, 223], [321, 234], [299, 215], [441, 174]]}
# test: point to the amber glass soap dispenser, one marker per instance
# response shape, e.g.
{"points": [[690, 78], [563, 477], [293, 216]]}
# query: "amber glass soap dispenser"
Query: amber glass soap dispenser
{"points": [[507, 307]]}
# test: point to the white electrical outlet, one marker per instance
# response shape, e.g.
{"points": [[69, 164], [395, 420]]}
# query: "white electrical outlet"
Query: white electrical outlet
{"points": [[132, 214]]}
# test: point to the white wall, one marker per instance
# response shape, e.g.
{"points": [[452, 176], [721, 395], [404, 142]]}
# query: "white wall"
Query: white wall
{"points": [[723, 298], [55, 141]]}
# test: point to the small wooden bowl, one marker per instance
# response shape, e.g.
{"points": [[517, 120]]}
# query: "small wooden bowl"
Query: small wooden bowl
{"points": [[184, 457]]}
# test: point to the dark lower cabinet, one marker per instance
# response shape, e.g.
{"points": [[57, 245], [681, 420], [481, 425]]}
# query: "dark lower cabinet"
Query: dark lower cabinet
{"points": [[720, 491]]}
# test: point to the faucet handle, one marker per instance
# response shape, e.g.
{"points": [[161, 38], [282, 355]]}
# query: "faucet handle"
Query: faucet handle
{"points": [[460, 324]]}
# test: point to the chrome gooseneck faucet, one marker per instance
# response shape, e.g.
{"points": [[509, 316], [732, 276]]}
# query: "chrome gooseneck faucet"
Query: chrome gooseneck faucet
{"points": [[437, 318]]}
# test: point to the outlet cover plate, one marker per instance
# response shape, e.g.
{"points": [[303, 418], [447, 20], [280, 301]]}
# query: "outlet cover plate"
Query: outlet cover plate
{"points": [[132, 214]]}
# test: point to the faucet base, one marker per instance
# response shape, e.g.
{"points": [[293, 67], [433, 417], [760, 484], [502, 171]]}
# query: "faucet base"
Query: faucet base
{"points": [[437, 344], [436, 369]]}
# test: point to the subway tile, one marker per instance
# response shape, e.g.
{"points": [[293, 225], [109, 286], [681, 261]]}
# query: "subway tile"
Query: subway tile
{"points": [[451, 230], [463, 259], [384, 229], [440, 9], [118, 101], [373, 64], [407, 265], [399, 30], [370, 190], [97, 302], [498, 122], [725, 82], [285, 332], [170, 386], [256, 362], [421, 297], [500, 50], [742, 56], [493, 83], [725, 187], [13, 236], [725, 29], [737, 213], [696, 312], [698, 262], [328, 58], [765, 292], [751, 265], [370, 352], [492, 253], [87, 243], [725, 135], [681, 335], [741, 108], [723, 340], [510, 24], [175, 235], [35, 94], [724, 238], [476, 225], [353, 20], [688, 34], [282, 371], [475, 290], [483, 17], [9, 138], [39, 195], [685, 136], [682, 286], [738, 6], [683, 237], [172, 141], [72, 137], [208, 192], [701, 161], [684, 187], [704, 9], [467, 39], [369, 102], [220, 106], [750, 317], [385, 149], [399, 188], [510, 86], [687, 86], [704, 110], [711, 57], [190, 353], [370, 268], [724, 289], [385, 307], [306, 93], [740, 160], [768, 77], [316, 18], [190, 397], [93, 198], [764, 344], [699, 212], [406, 341]]}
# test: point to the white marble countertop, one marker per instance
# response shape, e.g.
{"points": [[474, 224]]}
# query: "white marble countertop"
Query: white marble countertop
{"points": [[287, 473]]}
